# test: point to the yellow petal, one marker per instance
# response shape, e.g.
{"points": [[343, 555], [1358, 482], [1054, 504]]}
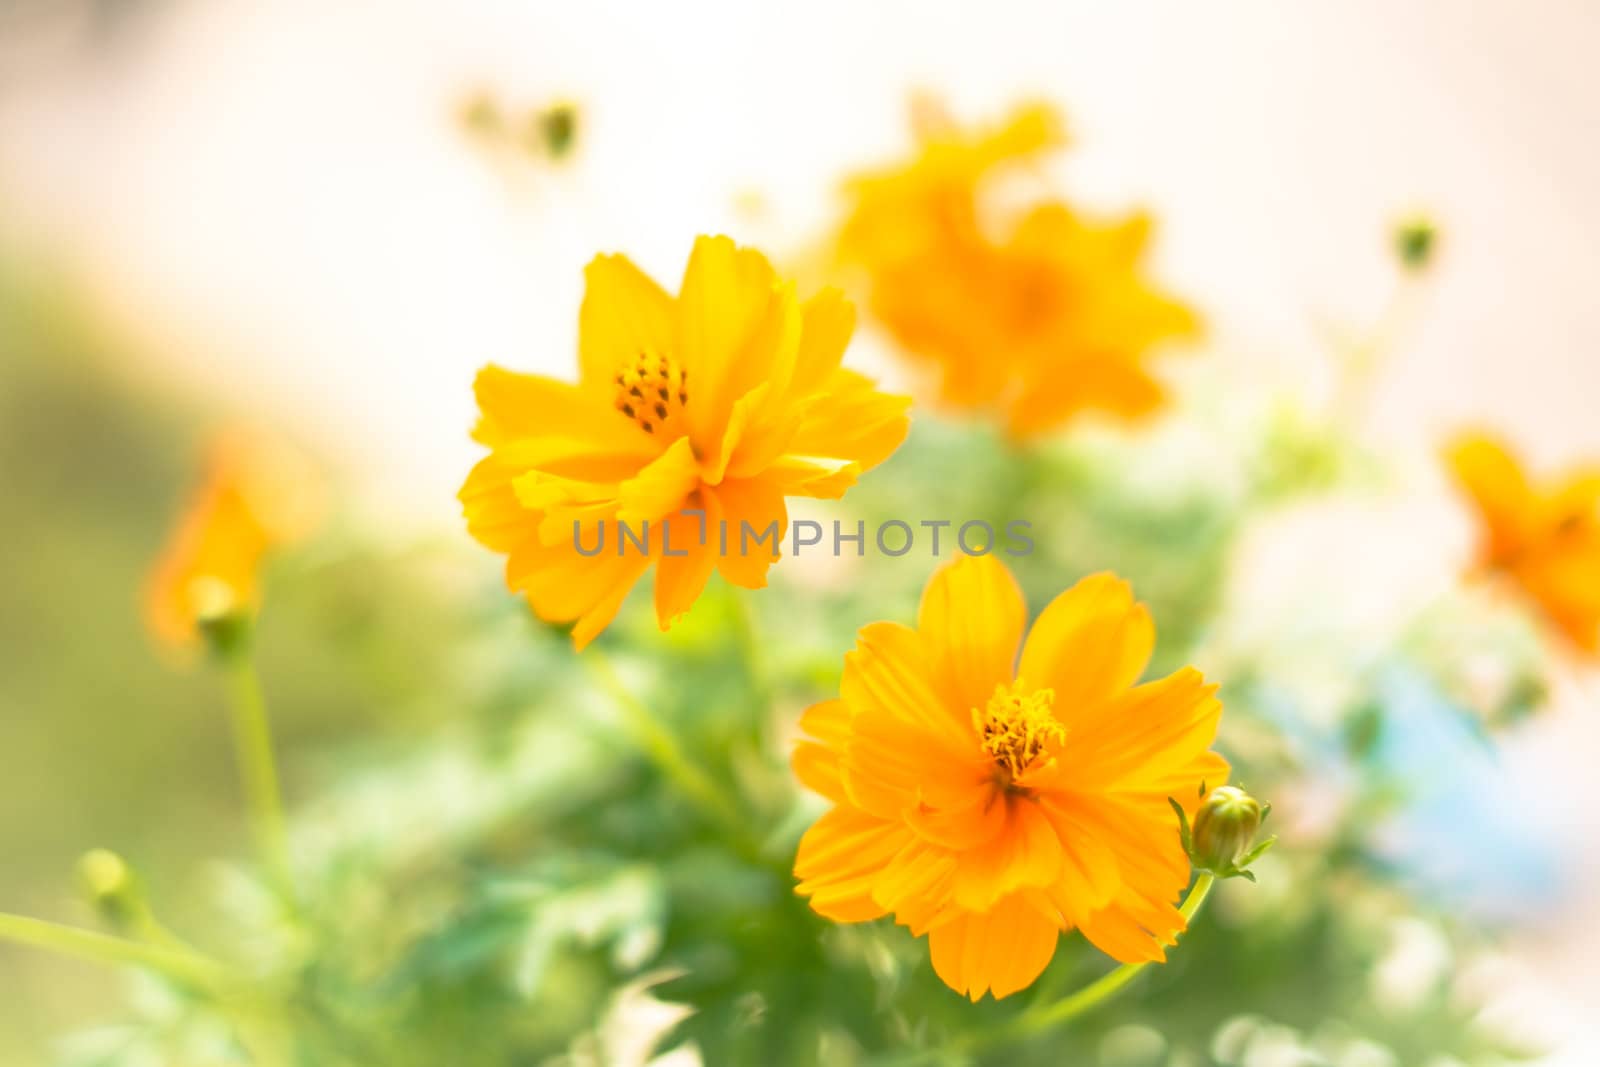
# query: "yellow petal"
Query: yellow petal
{"points": [[755, 520], [1090, 644], [1152, 872], [1564, 580], [214, 554], [1183, 783], [1140, 737], [1000, 950], [889, 673], [746, 409], [662, 487], [564, 586], [539, 492], [817, 764], [891, 766], [1121, 388], [765, 435], [828, 722], [681, 579], [514, 405], [1574, 499], [1131, 931], [576, 458], [1089, 876], [818, 768], [827, 322], [851, 420], [839, 858], [1025, 854], [915, 885], [624, 315], [1494, 481], [817, 480], [971, 620], [488, 499], [966, 826], [598, 615], [737, 328]]}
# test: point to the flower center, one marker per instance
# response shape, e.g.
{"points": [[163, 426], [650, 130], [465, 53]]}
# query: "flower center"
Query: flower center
{"points": [[651, 390], [1015, 726]]}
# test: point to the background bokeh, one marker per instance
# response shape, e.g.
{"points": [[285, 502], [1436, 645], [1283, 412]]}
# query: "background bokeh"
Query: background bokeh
{"points": [[218, 211]]}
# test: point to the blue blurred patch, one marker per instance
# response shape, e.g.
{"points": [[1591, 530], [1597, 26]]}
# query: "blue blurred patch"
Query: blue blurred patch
{"points": [[1459, 837], [1456, 837]]}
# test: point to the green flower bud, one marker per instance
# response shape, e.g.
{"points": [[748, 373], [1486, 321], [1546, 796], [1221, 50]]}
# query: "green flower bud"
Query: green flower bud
{"points": [[222, 619], [1414, 242], [1225, 827], [1222, 841], [558, 128], [111, 887]]}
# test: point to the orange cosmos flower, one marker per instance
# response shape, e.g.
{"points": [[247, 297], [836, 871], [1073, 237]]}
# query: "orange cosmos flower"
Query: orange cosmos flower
{"points": [[993, 803], [725, 399], [257, 494], [1544, 538], [1035, 314]]}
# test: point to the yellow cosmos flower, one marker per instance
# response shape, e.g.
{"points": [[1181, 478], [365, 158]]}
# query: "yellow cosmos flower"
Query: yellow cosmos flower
{"points": [[994, 802], [257, 494], [725, 400], [1033, 315], [1544, 538]]}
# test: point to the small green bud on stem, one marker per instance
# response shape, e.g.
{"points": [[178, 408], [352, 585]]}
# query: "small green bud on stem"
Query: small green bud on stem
{"points": [[558, 128], [1414, 242], [112, 888], [1222, 841], [222, 619]]}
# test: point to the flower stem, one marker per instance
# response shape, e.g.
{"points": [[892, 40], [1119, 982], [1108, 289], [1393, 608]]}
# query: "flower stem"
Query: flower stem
{"points": [[181, 965], [1362, 360], [258, 769], [659, 744], [1042, 1017], [748, 634]]}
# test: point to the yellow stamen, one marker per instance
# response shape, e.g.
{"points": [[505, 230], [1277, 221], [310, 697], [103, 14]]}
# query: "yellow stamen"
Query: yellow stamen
{"points": [[1016, 725], [651, 390]]}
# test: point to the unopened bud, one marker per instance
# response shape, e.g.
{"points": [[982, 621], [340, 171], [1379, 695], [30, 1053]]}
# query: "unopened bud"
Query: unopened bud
{"points": [[1222, 841], [1225, 827], [558, 128], [222, 618], [111, 886], [1414, 242]]}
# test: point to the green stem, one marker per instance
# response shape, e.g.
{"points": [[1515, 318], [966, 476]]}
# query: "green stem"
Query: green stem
{"points": [[156, 932], [178, 964], [1103, 988], [258, 769], [659, 744], [748, 634], [1363, 360]]}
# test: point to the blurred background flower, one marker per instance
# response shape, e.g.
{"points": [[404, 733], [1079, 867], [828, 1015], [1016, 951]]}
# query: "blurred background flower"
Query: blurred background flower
{"points": [[1032, 313], [257, 494], [1544, 539]]}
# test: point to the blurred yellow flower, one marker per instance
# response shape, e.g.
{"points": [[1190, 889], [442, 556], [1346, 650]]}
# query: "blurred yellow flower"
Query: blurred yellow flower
{"points": [[257, 493], [725, 400], [1033, 314], [993, 803], [1544, 538]]}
